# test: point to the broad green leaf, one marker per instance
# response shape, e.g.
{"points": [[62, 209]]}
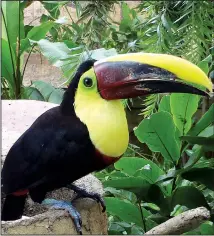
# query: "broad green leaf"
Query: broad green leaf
{"points": [[126, 211], [15, 26], [117, 174], [204, 65], [207, 228], [150, 224], [115, 229], [194, 158], [6, 63], [56, 96], [137, 185], [208, 132], [158, 218], [206, 142], [140, 167], [122, 194], [188, 196], [126, 21], [172, 173], [53, 51], [58, 54], [183, 106], [156, 196], [36, 33], [32, 93], [158, 132], [204, 122], [208, 58], [202, 175], [49, 93], [165, 104], [136, 230]]}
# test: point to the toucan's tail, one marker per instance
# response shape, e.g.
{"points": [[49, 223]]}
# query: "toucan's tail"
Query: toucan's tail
{"points": [[13, 207]]}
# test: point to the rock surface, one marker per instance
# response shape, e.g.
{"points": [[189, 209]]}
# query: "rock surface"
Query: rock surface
{"points": [[17, 117]]}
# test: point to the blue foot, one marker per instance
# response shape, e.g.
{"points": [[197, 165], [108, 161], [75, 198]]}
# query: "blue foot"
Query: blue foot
{"points": [[57, 204]]}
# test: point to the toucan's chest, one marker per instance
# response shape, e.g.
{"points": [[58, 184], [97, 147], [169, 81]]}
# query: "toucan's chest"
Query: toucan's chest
{"points": [[107, 125]]}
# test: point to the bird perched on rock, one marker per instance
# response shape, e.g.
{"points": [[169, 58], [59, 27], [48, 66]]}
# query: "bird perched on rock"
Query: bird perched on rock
{"points": [[88, 131]]}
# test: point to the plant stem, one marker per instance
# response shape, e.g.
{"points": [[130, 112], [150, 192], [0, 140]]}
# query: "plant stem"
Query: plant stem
{"points": [[69, 14], [18, 74], [8, 38], [27, 60], [141, 213]]}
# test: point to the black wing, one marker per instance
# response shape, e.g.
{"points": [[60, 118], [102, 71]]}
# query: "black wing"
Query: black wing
{"points": [[54, 148]]}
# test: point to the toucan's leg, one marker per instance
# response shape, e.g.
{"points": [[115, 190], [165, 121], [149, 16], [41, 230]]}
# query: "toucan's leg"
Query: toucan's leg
{"points": [[82, 193], [65, 205]]}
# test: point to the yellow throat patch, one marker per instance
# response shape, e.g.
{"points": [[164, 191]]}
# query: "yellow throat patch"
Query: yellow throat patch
{"points": [[106, 120]]}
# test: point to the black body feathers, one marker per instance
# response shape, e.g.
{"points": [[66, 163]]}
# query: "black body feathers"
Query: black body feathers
{"points": [[55, 151]]}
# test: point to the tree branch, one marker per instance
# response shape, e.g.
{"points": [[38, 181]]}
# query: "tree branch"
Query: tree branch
{"points": [[182, 223]]}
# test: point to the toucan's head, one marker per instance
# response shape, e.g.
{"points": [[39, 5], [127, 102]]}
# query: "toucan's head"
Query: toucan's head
{"points": [[96, 91]]}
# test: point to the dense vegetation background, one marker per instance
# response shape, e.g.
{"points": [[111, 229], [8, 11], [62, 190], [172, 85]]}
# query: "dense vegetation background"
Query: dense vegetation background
{"points": [[163, 174]]}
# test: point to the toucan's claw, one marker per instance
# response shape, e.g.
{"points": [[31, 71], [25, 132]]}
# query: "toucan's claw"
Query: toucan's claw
{"points": [[65, 205], [82, 193]]}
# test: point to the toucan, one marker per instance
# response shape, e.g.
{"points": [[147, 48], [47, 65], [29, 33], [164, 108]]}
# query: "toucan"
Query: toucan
{"points": [[88, 131]]}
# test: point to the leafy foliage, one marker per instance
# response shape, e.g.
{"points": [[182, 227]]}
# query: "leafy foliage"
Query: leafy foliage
{"points": [[140, 193], [15, 43], [160, 188]]}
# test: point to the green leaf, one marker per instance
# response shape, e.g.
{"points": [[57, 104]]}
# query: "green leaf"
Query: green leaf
{"points": [[202, 175], [53, 51], [126, 21], [204, 65], [32, 94], [208, 132], [188, 196], [122, 194], [52, 8], [183, 106], [36, 33], [56, 96], [58, 54], [207, 228], [124, 210], [136, 230], [49, 93], [140, 167], [194, 158], [206, 142], [158, 218], [165, 104], [204, 122], [159, 138], [156, 196], [137, 185], [6, 63], [15, 27], [150, 224], [115, 229]]}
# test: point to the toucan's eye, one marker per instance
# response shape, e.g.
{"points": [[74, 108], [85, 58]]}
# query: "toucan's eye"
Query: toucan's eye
{"points": [[88, 82]]}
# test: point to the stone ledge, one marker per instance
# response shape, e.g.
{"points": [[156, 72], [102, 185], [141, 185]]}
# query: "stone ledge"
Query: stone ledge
{"points": [[18, 115], [58, 222]]}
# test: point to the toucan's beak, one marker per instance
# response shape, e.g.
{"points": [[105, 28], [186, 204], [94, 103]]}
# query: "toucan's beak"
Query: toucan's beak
{"points": [[137, 74]]}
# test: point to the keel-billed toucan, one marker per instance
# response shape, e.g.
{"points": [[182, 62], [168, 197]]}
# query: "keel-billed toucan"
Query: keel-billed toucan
{"points": [[89, 130]]}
